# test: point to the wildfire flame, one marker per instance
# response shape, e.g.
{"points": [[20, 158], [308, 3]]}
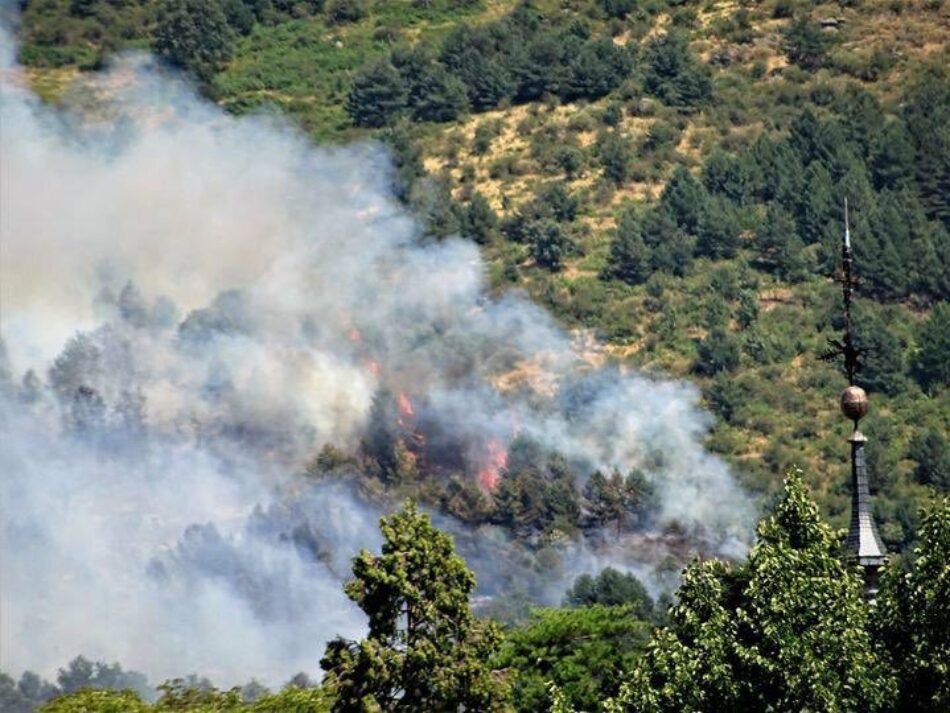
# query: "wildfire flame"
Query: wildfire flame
{"points": [[404, 404], [372, 366], [496, 459]]}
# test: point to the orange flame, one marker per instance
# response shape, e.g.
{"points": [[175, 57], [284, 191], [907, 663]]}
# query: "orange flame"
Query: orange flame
{"points": [[496, 458], [404, 404], [372, 366]]}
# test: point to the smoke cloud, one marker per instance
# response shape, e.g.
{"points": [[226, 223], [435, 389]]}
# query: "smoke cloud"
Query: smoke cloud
{"points": [[193, 305]]}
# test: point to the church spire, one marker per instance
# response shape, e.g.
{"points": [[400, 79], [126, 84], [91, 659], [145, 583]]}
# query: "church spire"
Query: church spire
{"points": [[863, 545]]}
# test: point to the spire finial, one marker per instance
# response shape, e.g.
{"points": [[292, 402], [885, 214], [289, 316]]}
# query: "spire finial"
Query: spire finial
{"points": [[846, 346], [864, 544], [847, 227]]}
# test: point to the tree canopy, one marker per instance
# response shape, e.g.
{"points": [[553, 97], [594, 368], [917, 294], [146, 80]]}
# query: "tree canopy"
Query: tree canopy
{"points": [[424, 650]]}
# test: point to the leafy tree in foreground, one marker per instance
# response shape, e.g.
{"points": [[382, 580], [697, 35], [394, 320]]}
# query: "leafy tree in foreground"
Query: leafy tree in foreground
{"points": [[584, 651], [425, 651], [915, 618], [787, 631], [181, 695], [91, 701]]}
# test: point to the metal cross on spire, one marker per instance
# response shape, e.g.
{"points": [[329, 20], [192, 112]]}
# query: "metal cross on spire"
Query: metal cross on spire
{"points": [[849, 283]]}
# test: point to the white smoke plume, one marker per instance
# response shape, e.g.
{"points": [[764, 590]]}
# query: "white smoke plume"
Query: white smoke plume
{"points": [[192, 306]]}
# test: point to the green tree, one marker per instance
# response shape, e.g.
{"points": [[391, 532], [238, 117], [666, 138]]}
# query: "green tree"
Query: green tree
{"points": [[672, 248], [806, 44], [341, 12], [894, 156], [615, 154], [479, 222], [13, 700], [595, 70], [914, 619], [550, 244], [883, 368], [585, 651], [931, 362], [195, 35], [424, 650], [931, 450], [674, 74], [435, 95], [718, 351], [781, 250], [685, 198], [718, 232], [618, 8], [611, 588], [377, 95], [729, 176], [927, 115], [620, 500], [787, 631], [630, 258], [92, 701]]}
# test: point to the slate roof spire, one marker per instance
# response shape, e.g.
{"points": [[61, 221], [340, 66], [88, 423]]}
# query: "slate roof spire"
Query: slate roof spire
{"points": [[864, 544]]}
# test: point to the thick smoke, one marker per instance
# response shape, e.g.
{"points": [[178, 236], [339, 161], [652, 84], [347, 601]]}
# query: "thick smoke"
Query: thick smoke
{"points": [[192, 306]]}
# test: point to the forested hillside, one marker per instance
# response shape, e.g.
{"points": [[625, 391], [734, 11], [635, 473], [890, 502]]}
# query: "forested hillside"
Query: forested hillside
{"points": [[666, 176]]}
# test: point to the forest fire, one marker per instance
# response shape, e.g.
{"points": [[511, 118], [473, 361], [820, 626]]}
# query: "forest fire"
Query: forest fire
{"points": [[404, 404], [496, 460]]}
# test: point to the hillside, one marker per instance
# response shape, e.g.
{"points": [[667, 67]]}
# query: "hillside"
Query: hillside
{"points": [[667, 177]]}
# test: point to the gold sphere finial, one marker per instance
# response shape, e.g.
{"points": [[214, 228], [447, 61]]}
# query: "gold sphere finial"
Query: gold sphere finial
{"points": [[854, 403]]}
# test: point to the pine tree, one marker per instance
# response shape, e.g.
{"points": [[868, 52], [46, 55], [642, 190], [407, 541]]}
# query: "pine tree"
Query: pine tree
{"points": [[931, 363], [931, 450], [424, 649], [894, 156], [615, 154], [630, 258], [377, 95], [806, 44], [685, 198], [718, 231], [674, 74], [672, 248], [480, 222], [780, 248]]}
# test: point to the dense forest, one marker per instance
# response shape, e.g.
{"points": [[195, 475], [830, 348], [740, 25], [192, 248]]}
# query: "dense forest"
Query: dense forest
{"points": [[667, 177]]}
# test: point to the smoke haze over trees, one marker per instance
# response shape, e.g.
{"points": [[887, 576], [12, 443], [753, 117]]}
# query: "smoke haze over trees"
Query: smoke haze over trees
{"points": [[212, 303]]}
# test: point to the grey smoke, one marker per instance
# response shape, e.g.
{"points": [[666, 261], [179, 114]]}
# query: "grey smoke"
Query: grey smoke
{"points": [[192, 306]]}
